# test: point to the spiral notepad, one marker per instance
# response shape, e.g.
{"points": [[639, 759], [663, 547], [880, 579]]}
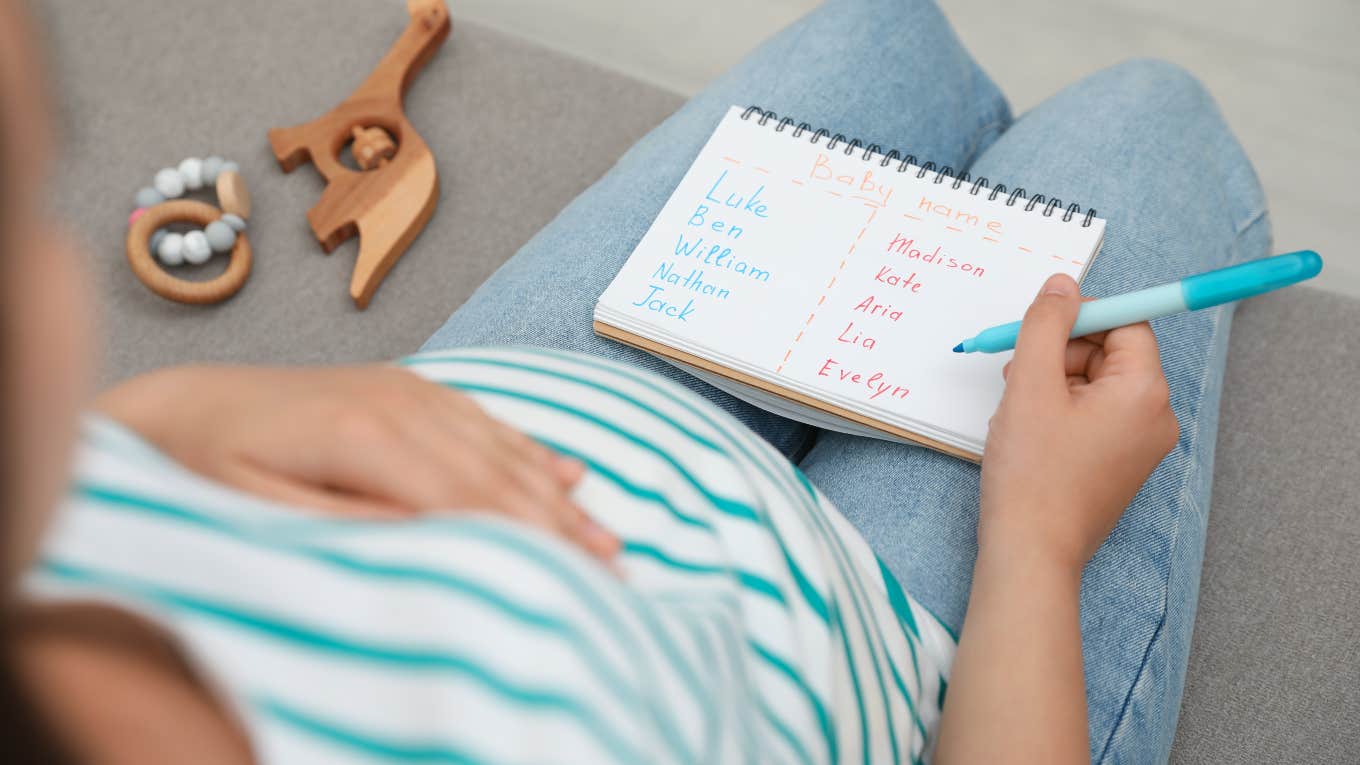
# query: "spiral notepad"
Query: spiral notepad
{"points": [[827, 281]]}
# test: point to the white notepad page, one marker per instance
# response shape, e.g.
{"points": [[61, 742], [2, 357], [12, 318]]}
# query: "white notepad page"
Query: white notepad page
{"points": [[841, 278]]}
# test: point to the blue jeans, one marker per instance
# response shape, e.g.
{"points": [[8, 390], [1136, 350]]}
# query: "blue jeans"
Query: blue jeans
{"points": [[1142, 142]]}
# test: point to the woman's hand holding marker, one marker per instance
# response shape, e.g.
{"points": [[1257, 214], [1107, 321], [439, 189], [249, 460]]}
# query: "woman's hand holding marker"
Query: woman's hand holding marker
{"points": [[1080, 427]]}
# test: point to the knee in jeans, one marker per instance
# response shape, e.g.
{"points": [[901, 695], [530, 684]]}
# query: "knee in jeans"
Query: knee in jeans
{"points": [[1184, 104], [1156, 81]]}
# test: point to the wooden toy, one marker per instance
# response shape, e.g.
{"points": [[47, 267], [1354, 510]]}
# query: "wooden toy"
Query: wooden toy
{"points": [[232, 194], [221, 231], [372, 147], [392, 196], [172, 287]]}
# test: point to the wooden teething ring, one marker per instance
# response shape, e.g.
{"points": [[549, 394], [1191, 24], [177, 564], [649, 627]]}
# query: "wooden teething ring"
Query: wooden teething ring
{"points": [[172, 287]]}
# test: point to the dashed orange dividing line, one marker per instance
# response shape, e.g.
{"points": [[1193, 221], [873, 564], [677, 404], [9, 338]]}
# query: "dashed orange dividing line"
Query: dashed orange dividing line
{"points": [[761, 170], [733, 161], [833, 193], [909, 215], [990, 239], [1055, 257], [954, 228], [872, 213], [796, 181], [1076, 262], [1025, 249]]}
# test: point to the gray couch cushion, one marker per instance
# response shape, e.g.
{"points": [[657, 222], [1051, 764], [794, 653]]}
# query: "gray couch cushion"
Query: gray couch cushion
{"points": [[517, 132], [1274, 675]]}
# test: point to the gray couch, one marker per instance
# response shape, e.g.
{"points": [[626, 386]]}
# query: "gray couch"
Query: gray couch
{"points": [[1273, 670]]}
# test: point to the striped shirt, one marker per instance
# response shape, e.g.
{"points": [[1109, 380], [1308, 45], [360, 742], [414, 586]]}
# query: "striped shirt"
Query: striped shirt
{"points": [[749, 622]]}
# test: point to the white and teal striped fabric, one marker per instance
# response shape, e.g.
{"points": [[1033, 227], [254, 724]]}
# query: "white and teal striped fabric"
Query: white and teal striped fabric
{"points": [[749, 623]]}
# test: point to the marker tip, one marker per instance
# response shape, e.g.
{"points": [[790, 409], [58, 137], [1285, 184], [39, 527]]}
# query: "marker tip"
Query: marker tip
{"points": [[958, 348]]}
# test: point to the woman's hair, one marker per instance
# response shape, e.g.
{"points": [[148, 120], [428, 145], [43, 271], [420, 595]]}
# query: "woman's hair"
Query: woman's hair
{"points": [[26, 736]]}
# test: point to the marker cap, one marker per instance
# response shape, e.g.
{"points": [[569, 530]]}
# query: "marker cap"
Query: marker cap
{"points": [[1247, 279]]}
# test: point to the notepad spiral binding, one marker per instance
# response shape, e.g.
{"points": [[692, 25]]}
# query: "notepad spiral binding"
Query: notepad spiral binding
{"points": [[905, 162]]}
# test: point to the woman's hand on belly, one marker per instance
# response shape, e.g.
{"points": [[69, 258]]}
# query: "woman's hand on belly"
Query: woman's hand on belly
{"points": [[355, 440]]}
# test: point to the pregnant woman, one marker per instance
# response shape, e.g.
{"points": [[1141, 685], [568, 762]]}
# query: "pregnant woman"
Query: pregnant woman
{"points": [[574, 553]]}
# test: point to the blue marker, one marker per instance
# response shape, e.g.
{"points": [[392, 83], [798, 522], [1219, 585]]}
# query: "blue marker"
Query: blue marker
{"points": [[1190, 294]]}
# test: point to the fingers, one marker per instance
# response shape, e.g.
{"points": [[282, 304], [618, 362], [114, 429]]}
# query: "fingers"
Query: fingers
{"points": [[531, 482], [370, 454], [568, 471], [1129, 350], [1041, 348], [548, 485], [1133, 373], [1082, 357], [280, 488], [1135, 345], [548, 479], [1079, 357], [544, 459]]}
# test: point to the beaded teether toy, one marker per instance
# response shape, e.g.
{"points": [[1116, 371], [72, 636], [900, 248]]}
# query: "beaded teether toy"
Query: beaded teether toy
{"points": [[222, 231]]}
